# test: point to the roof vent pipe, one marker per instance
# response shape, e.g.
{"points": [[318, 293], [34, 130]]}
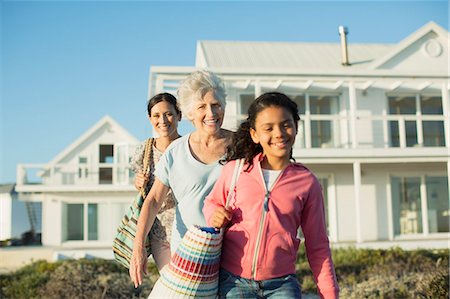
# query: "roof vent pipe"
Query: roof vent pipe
{"points": [[343, 31]]}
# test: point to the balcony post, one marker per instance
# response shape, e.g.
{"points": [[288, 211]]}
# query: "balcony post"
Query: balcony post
{"points": [[257, 88], [357, 193], [402, 132], [352, 99], [446, 112]]}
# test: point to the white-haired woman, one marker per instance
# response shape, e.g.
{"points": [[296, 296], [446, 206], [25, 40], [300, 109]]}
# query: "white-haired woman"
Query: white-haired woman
{"points": [[190, 165]]}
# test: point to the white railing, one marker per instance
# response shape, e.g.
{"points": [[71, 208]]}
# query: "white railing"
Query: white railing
{"points": [[67, 174], [371, 131]]}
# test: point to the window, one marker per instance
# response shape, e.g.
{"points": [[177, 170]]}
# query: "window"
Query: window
{"points": [[322, 134], [433, 131], [83, 170], [105, 175], [246, 100], [76, 221], [406, 205], [438, 204], [408, 200], [300, 100], [416, 124], [106, 153], [106, 159]]}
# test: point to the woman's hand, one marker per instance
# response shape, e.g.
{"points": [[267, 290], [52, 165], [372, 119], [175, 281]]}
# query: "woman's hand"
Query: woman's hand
{"points": [[221, 217], [138, 264], [140, 180]]}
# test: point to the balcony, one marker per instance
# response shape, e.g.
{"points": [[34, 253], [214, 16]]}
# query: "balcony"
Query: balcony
{"points": [[73, 178]]}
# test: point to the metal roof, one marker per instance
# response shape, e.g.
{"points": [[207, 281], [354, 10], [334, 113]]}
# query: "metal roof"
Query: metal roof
{"points": [[286, 55], [7, 188]]}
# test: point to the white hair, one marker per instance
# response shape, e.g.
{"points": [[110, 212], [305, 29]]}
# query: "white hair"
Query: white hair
{"points": [[194, 88]]}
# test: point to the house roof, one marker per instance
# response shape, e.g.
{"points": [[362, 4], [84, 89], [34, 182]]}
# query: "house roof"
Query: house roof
{"points": [[105, 121], [285, 55], [7, 188], [303, 56]]}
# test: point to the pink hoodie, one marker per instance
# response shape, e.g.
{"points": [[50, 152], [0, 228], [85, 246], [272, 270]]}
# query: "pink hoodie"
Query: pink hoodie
{"points": [[261, 242]]}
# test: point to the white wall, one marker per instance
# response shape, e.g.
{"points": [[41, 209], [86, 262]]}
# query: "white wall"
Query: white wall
{"points": [[5, 216], [51, 222], [13, 217]]}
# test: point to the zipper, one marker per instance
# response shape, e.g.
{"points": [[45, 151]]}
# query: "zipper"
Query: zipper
{"points": [[265, 209]]}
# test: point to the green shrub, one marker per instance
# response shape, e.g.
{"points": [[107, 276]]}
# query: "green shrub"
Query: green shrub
{"points": [[362, 273], [24, 282]]}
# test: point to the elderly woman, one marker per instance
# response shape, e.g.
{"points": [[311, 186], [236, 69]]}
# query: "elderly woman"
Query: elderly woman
{"points": [[190, 165]]}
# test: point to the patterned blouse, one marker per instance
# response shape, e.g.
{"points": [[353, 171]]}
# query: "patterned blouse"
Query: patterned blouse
{"points": [[162, 228]]}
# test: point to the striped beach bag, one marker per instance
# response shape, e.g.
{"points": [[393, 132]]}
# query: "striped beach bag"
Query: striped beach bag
{"points": [[123, 241], [193, 271]]}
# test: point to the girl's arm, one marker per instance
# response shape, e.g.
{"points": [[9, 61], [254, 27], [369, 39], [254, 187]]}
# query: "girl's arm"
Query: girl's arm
{"points": [[317, 244], [214, 205], [150, 207]]}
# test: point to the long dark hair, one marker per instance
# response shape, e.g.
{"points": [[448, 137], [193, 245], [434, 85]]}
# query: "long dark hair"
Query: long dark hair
{"points": [[163, 97], [242, 145]]}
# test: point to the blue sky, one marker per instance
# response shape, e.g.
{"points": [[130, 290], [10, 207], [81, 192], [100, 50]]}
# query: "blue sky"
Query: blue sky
{"points": [[65, 64]]}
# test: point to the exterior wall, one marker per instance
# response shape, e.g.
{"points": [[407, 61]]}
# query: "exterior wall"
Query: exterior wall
{"points": [[13, 217], [408, 59], [369, 103], [5, 216], [110, 207], [67, 171], [51, 222]]}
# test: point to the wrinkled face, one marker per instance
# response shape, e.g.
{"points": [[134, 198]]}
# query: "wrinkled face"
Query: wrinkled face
{"points": [[275, 131], [164, 119], [207, 114]]}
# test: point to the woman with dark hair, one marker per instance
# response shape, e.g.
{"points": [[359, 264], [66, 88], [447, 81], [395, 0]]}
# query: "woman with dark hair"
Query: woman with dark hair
{"points": [[164, 115]]}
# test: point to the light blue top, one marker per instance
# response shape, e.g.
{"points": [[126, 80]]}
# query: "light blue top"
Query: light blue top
{"points": [[190, 180]]}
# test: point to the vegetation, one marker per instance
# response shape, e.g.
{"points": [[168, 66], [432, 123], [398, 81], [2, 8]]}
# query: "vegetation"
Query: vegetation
{"points": [[376, 273], [362, 273]]}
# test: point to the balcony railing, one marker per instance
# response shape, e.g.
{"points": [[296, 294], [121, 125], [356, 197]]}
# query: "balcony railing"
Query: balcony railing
{"points": [[71, 175], [316, 132], [370, 131]]}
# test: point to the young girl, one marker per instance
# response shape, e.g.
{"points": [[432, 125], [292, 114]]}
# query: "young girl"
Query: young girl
{"points": [[273, 197]]}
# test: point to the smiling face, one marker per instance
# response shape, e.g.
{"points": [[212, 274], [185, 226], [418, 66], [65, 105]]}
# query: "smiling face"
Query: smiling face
{"points": [[164, 119], [275, 131], [207, 114]]}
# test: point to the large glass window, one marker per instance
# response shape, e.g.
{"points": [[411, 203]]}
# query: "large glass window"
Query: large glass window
{"points": [[410, 125], [92, 222], [407, 203], [438, 204], [74, 222]]}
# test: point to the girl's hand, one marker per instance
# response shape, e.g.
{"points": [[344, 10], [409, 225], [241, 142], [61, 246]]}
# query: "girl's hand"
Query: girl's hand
{"points": [[140, 180], [138, 264], [221, 217]]}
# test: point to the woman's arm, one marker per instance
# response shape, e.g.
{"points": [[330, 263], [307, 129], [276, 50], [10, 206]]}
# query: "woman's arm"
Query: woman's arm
{"points": [[151, 206]]}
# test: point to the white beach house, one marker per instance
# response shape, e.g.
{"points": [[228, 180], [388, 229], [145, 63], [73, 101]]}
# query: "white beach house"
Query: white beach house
{"points": [[84, 191], [374, 125], [374, 128]]}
